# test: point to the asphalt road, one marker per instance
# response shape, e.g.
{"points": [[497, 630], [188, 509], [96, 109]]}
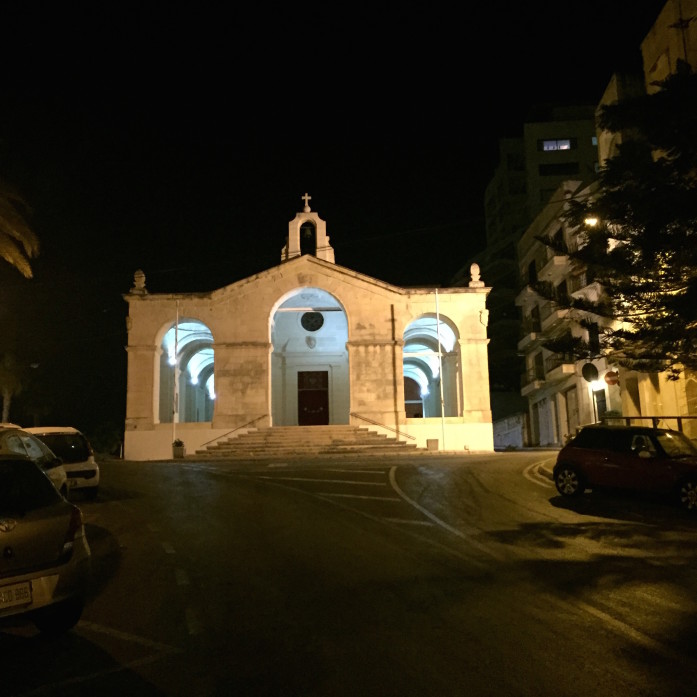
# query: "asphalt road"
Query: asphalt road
{"points": [[439, 576]]}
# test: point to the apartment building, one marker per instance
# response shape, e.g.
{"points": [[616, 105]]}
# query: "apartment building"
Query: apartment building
{"points": [[558, 142], [564, 393]]}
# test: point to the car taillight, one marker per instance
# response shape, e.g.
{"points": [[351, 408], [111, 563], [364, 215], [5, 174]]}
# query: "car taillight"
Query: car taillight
{"points": [[74, 525]]}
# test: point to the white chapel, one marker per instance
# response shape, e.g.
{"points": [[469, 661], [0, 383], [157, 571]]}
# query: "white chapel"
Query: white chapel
{"points": [[305, 343]]}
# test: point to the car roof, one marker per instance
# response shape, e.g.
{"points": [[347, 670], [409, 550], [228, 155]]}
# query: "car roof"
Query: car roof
{"points": [[51, 429], [625, 427]]}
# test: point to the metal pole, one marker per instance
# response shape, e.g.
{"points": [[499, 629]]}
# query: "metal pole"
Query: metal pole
{"points": [[440, 370], [175, 391]]}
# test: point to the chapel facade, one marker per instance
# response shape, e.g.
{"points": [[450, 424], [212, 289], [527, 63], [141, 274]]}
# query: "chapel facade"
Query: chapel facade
{"points": [[307, 342]]}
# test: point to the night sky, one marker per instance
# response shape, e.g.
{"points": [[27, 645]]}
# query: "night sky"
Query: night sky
{"points": [[181, 144]]}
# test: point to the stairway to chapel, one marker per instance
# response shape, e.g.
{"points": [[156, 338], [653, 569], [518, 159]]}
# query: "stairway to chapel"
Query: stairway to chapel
{"points": [[289, 441]]}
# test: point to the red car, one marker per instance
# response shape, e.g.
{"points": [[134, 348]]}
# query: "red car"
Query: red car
{"points": [[629, 457]]}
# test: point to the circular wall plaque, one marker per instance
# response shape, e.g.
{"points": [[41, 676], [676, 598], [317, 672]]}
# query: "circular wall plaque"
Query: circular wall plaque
{"points": [[312, 321]]}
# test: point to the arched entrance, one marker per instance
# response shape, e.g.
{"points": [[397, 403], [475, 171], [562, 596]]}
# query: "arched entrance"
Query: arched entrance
{"points": [[309, 360], [431, 368]]}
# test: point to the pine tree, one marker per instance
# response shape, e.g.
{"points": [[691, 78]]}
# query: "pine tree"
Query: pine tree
{"points": [[643, 249]]}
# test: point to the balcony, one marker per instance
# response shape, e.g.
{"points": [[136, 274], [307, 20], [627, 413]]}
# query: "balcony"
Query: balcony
{"points": [[526, 293], [551, 315], [530, 381], [558, 367], [554, 269], [531, 332]]}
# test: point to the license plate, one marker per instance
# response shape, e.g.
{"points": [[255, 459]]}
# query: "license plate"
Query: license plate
{"points": [[17, 594]]}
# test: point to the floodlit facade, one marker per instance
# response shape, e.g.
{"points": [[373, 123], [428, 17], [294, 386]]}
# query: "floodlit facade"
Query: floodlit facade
{"points": [[307, 342]]}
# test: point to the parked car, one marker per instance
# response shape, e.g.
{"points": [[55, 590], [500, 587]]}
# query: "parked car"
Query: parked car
{"points": [[629, 457], [77, 454], [45, 564], [17, 441]]}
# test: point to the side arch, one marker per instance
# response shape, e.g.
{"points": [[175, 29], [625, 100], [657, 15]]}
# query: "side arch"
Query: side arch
{"points": [[185, 388], [431, 359]]}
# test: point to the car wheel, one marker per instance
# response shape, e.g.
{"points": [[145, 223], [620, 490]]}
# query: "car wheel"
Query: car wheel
{"points": [[687, 494], [58, 618], [568, 481]]}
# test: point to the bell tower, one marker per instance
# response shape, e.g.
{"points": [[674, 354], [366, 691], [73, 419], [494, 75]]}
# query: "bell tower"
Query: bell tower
{"points": [[307, 234]]}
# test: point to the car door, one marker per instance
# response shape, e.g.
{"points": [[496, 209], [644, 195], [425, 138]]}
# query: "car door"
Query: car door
{"points": [[636, 463], [615, 464]]}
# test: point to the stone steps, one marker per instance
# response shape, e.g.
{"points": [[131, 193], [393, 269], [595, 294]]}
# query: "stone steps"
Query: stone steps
{"points": [[290, 441]]}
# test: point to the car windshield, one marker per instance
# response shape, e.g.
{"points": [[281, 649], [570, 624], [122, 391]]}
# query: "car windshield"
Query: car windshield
{"points": [[36, 449], [70, 447], [676, 444]]}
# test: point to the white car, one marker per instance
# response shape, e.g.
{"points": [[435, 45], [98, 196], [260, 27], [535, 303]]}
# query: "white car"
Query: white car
{"points": [[73, 447], [17, 441]]}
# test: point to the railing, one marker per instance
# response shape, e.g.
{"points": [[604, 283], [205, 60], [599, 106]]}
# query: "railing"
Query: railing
{"points": [[557, 359], [531, 376], [249, 423], [530, 326], [377, 423], [655, 420]]}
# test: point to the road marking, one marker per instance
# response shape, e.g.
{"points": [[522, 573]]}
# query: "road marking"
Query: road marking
{"points": [[467, 534], [353, 471], [323, 481], [532, 474], [359, 496], [124, 636], [409, 521]]}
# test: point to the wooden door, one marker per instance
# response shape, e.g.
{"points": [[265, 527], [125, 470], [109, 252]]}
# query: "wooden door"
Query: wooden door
{"points": [[313, 398]]}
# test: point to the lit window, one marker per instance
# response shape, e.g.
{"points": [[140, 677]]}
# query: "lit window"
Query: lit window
{"points": [[559, 144]]}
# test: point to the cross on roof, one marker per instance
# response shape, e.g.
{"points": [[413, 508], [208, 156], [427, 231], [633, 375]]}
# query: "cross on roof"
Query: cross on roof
{"points": [[306, 198]]}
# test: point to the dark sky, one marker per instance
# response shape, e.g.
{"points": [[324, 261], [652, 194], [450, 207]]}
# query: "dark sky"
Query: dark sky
{"points": [[181, 143]]}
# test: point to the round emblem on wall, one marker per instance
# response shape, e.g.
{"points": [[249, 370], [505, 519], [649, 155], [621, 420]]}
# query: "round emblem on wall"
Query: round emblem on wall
{"points": [[312, 321]]}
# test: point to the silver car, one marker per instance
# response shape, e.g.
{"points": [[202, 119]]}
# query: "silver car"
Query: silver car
{"points": [[16, 441], [45, 564]]}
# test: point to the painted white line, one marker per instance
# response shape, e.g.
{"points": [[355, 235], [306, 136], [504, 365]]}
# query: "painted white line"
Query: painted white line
{"points": [[182, 577], [630, 632], [323, 481], [124, 636], [532, 474], [353, 471], [409, 522], [168, 548], [466, 534], [358, 496]]}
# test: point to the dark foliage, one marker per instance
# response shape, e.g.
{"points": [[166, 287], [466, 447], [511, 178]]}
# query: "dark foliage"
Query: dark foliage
{"points": [[643, 251]]}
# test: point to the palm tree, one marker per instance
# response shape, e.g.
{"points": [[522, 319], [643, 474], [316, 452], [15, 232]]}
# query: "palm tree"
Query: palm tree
{"points": [[18, 243]]}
